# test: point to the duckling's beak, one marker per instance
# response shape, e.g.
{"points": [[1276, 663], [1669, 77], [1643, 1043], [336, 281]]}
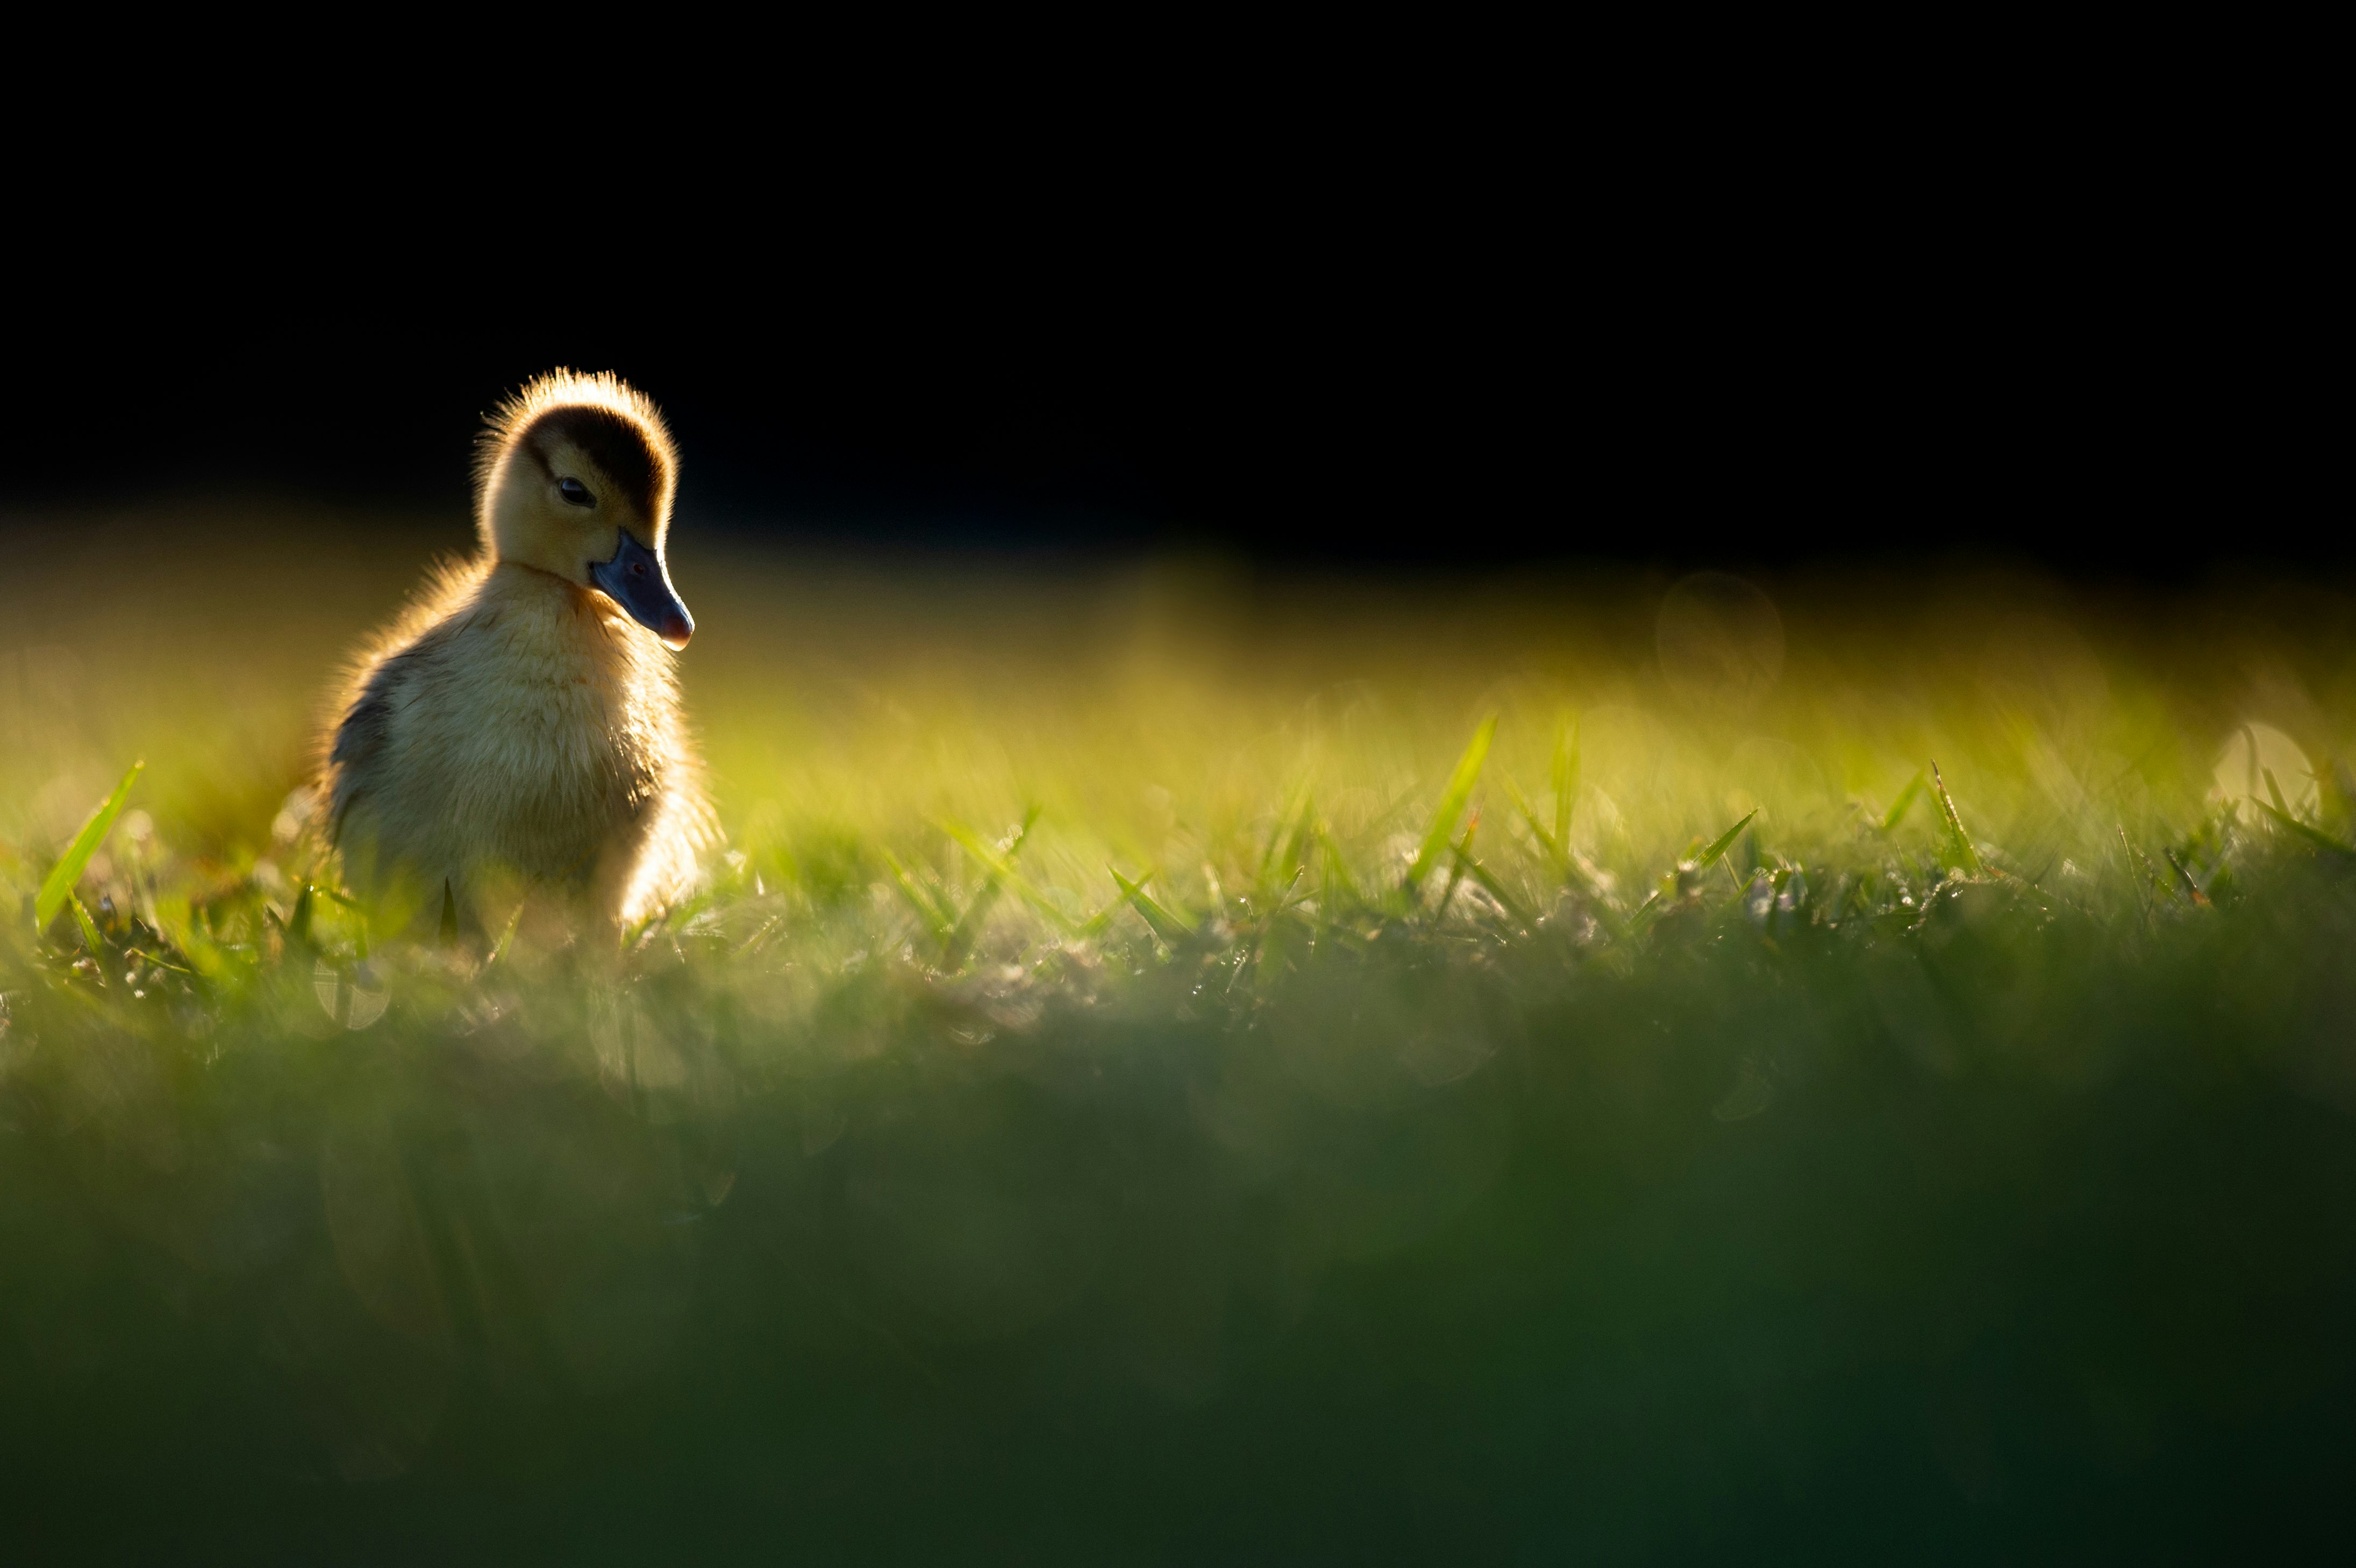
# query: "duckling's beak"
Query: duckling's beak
{"points": [[637, 581]]}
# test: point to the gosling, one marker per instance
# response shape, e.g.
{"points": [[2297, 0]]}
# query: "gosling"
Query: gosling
{"points": [[517, 730]]}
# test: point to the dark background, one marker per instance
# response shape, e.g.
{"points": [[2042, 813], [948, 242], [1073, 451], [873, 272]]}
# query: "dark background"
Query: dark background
{"points": [[2101, 369]]}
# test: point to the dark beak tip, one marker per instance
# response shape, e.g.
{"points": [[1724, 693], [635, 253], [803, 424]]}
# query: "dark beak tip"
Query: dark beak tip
{"points": [[635, 581]]}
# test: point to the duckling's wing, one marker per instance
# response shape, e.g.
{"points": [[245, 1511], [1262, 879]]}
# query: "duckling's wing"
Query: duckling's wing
{"points": [[359, 742], [363, 738]]}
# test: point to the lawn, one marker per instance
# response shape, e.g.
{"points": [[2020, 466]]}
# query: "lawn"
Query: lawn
{"points": [[1178, 1062]]}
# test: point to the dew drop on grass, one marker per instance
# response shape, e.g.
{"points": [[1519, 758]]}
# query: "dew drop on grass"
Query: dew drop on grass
{"points": [[354, 1000]]}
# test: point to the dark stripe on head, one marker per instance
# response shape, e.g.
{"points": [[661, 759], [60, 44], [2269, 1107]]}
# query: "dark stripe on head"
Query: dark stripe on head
{"points": [[622, 450]]}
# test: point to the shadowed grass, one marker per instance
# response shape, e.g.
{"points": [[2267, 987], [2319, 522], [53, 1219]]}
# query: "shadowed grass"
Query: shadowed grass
{"points": [[1395, 1166]]}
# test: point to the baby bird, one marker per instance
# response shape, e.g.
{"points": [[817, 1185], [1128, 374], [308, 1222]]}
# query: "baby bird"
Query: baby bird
{"points": [[518, 728]]}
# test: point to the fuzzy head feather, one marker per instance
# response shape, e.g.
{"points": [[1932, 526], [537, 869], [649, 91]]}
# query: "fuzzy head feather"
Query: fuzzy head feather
{"points": [[600, 417]]}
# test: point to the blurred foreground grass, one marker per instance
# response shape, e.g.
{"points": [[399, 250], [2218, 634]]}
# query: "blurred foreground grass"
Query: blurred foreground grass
{"points": [[1137, 1086]]}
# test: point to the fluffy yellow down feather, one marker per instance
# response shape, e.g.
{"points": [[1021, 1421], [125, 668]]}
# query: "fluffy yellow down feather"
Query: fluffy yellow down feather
{"points": [[518, 733]]}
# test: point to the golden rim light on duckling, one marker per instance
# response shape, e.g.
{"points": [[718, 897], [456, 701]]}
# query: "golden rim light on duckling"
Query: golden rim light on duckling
{"points": [[575, 477], [513, 734]]}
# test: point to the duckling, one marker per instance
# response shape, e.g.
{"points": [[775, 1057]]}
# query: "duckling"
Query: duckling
{"points": [[521, 724]]}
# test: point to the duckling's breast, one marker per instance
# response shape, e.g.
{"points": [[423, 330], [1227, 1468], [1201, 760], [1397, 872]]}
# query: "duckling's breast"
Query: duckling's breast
{"points": [[534, 738]]}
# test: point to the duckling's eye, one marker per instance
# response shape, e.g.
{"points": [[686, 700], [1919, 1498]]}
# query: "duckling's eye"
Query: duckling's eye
{"points": [[575, 491]]}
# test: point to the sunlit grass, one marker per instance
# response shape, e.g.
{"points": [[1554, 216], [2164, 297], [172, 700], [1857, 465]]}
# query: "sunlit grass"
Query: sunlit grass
{"points": [[1144, 1007]]}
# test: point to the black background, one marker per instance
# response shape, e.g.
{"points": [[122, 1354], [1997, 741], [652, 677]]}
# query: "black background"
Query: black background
{"points": [[2095, 367]]}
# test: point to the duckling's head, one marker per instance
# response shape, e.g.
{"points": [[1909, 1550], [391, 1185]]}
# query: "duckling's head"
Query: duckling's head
{"points": [[575, 479]]}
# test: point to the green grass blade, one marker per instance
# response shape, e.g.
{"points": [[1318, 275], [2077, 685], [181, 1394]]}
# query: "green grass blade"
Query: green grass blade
{"points": [[1004, 877], [60, 884], [1565, 779], [999, 873], [1903, 804], [1723, 842], [944, 906], [507, 936], [1001, 867], [1283, 841], [992, 861], [1463, 856], [958, 945], [1452, 804], [1964, 852], [1294, 858], [1495, 889], [1164, 924], [2315, 835], [2274, 790], [1333, 876], [89, 927], [927, 911], [2184, 874], [1546, 840]]}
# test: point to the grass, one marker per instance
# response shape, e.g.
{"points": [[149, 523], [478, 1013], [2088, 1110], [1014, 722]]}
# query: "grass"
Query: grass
{"points": [[1172, 1066]]}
